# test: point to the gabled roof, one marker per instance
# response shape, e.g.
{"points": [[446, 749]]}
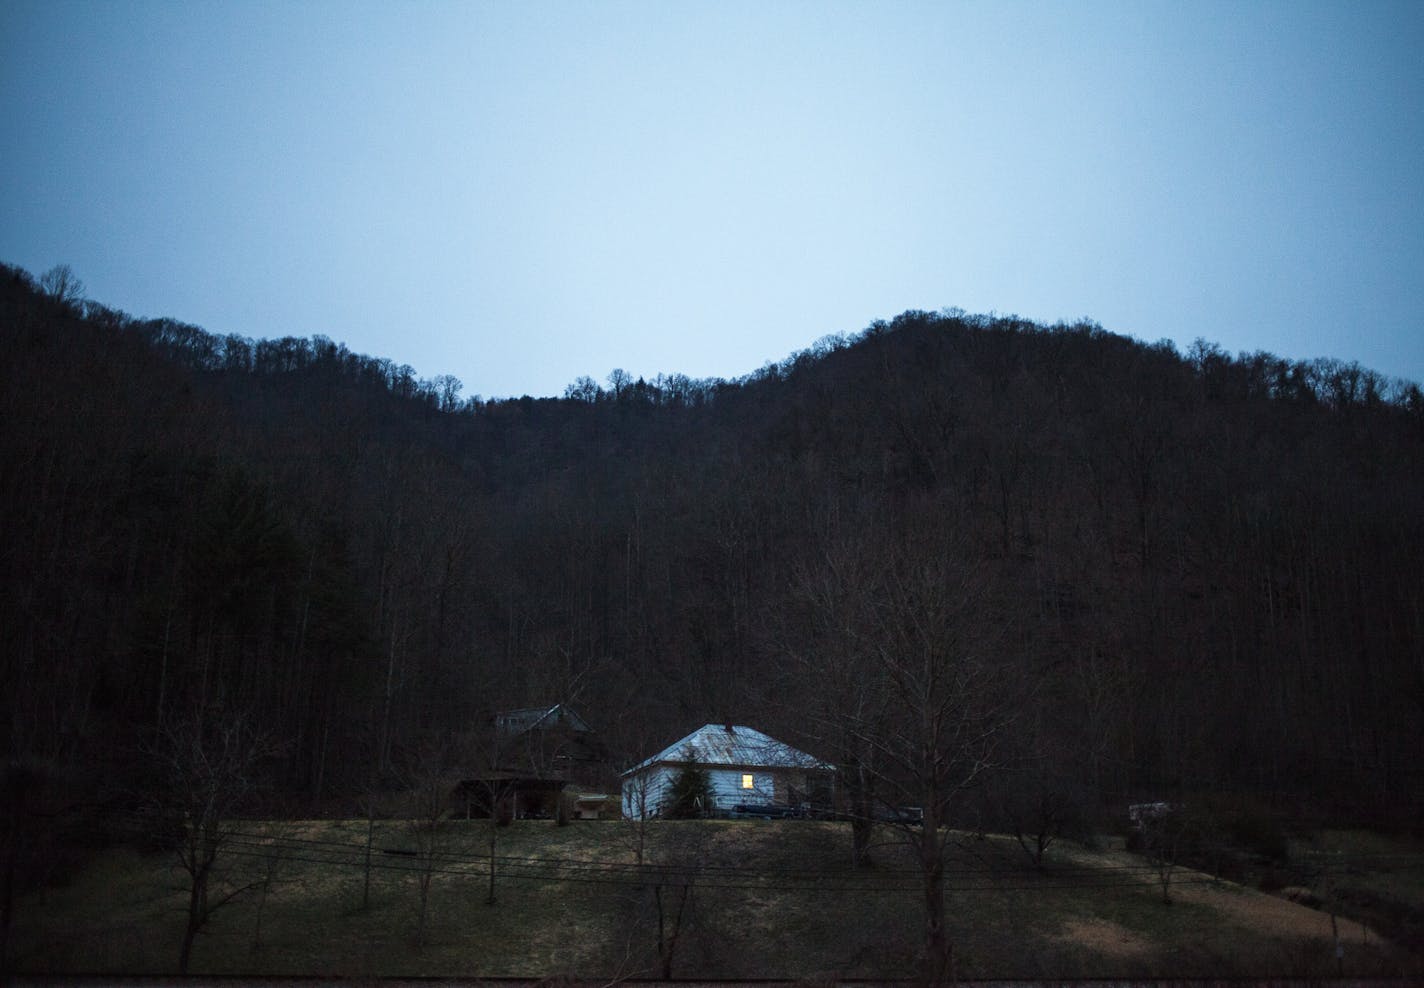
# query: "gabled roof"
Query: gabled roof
{"points": [[511, 722], [730, 744]]}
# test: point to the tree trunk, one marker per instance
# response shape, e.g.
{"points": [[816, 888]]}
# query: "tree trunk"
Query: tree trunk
{"points": [[860, 833], [939, 956], [196, 896], [670, 927], [425, 879], [370, 836], [493, 844]]}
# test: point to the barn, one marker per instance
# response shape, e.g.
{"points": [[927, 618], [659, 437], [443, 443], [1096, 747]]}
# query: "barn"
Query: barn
{"points": [[745, 769], [537, 762]]}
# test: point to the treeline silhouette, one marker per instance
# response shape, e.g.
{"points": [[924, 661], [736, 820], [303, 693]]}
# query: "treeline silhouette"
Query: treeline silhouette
{"points": [[1208, 567]]}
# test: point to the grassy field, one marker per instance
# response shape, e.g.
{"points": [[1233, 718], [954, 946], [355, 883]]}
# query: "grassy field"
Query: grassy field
{"points": [[764, 899], [1376, 880]]}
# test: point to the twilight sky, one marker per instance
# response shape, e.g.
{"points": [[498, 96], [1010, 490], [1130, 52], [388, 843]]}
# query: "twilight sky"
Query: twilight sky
{"points": [[520, 193]]}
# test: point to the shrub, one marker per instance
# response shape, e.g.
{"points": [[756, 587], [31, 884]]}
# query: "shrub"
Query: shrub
{"points": [[691, 795]]}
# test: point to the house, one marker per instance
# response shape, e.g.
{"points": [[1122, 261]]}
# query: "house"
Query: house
{"points": [[747, 771], [532, 758]]}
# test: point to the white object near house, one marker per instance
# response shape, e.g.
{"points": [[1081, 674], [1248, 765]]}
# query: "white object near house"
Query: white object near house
{"points": [[744, 768]]}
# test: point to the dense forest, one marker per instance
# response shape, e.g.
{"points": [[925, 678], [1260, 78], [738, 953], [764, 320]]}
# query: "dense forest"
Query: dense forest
{"points": [[1174, 572]]}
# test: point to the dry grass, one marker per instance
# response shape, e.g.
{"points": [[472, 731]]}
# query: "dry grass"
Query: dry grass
{"points": [[1106, 938], [1373, 879], [796, 910]]}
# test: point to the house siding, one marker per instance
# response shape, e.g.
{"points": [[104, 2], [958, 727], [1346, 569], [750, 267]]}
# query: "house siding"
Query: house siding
{"points": [[725, 785], [727, 791], [726, 753], [647, 791]]}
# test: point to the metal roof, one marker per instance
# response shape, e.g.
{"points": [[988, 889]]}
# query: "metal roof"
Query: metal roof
{"points": [[510, 722], [731, 744]]}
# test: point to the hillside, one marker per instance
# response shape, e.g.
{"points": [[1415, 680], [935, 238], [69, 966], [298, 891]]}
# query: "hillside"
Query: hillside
{"points": [[776, 900], [1181, 574]]}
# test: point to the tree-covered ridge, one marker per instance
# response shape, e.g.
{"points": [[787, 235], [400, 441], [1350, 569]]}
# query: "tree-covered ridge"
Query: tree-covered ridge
{"points": [[1205, 566]]}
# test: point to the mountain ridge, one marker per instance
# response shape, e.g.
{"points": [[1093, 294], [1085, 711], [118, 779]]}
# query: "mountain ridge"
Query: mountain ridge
{"points": [[1206, 564]]}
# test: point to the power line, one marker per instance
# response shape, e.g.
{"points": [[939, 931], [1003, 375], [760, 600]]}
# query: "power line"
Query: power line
{"points": [[279, 841], [694, 880], [980, 878]]}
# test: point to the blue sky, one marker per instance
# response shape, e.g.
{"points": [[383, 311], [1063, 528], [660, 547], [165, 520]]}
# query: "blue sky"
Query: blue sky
{"points": [[522, 193]]}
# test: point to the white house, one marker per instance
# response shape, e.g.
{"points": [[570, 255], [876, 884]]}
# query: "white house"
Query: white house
{"points": [[744, 768]]}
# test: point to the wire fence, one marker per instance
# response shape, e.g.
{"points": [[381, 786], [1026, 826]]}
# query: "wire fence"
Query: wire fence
{"points": [[960, 877]]}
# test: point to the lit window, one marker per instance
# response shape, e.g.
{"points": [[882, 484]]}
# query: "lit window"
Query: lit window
{"points": [[748, 782]]}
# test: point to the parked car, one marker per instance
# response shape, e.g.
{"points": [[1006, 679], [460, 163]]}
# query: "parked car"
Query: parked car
{"points": [[763, 811], [912, 815]]}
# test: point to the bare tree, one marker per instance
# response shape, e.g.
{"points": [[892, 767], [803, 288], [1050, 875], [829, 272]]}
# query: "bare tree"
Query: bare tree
{"points": [[937, 663], [639, 811], [672, 895], [918, 619], [666, 903], [1162, 832], [208, 771], [369, 799], [429, 794], [1039, 809], [494, 792], [62, 285], [277, 851], [828, 643]]}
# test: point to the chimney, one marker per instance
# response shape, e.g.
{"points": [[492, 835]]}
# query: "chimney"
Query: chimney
{"points": [[730, 729]]}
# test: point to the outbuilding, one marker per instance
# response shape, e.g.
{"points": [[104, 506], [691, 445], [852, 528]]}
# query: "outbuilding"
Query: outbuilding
{"points": [[747, 771], [537, 762]]}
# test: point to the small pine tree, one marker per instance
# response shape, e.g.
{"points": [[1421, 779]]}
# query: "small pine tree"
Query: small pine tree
{"points": [[692, 792]]}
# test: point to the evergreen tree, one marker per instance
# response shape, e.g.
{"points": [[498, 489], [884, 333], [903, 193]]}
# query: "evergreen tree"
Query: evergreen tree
{"points": [[692, 792]]}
